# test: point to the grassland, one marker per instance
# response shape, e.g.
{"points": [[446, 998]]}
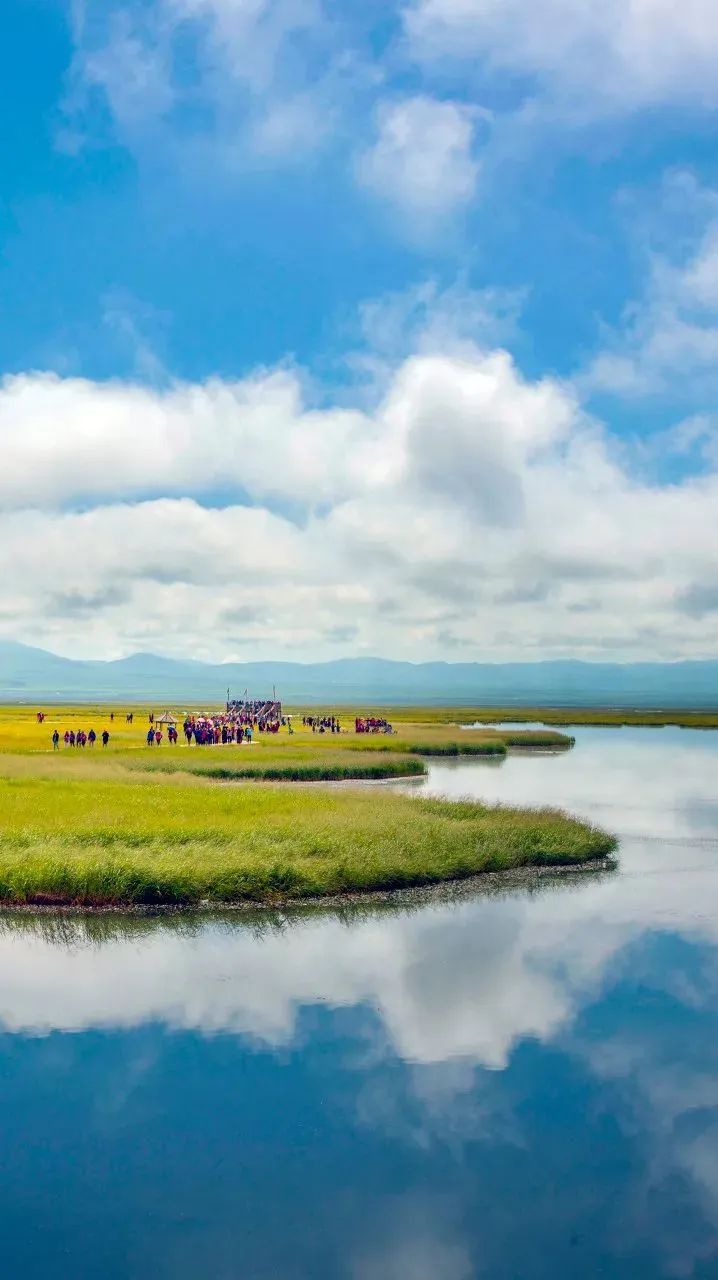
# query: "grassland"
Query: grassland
{"points": [[565, 717], [20, 732], [67, 842], [130, 825]]}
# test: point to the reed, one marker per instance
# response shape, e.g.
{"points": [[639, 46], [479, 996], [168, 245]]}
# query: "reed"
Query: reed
{"points": [[293, 770]]}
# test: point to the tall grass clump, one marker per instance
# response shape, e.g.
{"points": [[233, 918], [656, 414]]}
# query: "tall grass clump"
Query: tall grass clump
{"points": [[537, 738], [293, 771], [493, 747]]}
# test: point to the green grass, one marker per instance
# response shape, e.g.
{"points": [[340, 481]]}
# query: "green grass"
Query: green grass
{"points": [[113, 843], [491, 748], [543, 739], [226, 769], [132, 825], [608, 717]]}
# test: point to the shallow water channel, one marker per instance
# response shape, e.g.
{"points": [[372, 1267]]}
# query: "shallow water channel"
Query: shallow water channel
{"points": [[515, 1084]]}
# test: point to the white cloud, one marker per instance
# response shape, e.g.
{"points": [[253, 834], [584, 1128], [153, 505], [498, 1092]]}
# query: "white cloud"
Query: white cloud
{"points": [[232, 518], [263, 75], [423, 159], [134, 75], [614, 55], [71, 440], [426, 317], [668, 341], [416, 1246]]}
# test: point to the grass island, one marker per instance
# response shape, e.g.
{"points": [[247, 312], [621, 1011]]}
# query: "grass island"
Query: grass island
{"points": [[125, 825]]}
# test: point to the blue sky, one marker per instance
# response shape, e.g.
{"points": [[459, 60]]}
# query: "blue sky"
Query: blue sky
{"points": [[390, 328]]}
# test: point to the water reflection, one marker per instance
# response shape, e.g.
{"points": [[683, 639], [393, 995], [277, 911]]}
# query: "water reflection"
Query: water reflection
{"points": [[635, 781], [390, 1090]]}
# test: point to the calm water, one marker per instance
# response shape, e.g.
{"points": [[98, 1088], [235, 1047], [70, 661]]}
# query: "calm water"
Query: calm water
{"points": [[514, 1086]]}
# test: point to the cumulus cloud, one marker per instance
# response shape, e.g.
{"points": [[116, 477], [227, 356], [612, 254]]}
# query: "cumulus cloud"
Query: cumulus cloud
{"points": [[467, 501], [71, 440], [611, 56], [423, 159]]}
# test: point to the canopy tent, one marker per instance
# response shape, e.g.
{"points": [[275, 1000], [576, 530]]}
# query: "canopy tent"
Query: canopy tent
{"points": [[166, 718]]}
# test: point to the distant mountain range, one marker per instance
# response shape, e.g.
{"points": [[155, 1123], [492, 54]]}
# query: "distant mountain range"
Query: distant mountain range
{"points": [[33, 675]]}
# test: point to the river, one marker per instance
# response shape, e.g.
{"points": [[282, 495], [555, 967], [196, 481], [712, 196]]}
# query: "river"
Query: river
{"points": [[519, 1085]]}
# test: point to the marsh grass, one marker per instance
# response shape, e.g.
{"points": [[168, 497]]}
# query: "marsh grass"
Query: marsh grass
{"points": [[457, 748], [341, 769], [64, 842]]}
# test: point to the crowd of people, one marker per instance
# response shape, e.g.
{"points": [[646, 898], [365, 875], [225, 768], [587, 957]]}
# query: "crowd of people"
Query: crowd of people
{"points": [[79, 738], [154, 736], [237, 724], [240, 721], [260, 713], [322, 724], [372, 724]]}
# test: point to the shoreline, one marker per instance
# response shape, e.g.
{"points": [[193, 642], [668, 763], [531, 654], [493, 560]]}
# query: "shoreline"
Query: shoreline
{"points": [[452, 888]]}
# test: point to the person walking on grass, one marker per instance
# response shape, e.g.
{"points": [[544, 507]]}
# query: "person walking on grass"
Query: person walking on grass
{"points": [[105, 737], [92, 737], [150, 737], [56, 741]]}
